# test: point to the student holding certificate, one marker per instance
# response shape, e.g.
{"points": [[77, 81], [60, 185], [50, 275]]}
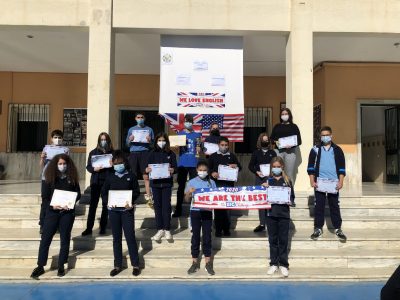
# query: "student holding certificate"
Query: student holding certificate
{"points": [[56, 142], [259, 165], [103, 154], [162, 187], [62, 175], [278, 219], [327, 169], [222, 158], [212, 139], [122, 217], [287, 138], [139, 139]]}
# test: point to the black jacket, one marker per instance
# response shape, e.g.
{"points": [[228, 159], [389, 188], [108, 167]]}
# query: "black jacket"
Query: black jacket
{"points": [[217, 159], [314, 160], [280, 210], [260, 157], [161, 157], [284, 130], [60, 184], [97, 177]]}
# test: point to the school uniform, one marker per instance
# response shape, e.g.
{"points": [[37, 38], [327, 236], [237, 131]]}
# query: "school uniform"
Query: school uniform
{"points": [[278, 220], [260, 157], [139, 152], [330, 164], [288, 155], [186, 165], [121, 218], [222, 216], [213, 139], [61, 220], [162, 188], [97, 180], [200, 219]]}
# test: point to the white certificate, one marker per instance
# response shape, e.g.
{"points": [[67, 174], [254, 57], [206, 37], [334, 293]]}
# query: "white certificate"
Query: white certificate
{"points": [[159, 171], [177, 140], [53, 150], [119, 198], [101, 161], [327, 185], [227, 173], [289, 141], [278, 194], [63, 198], [210, 148], [265, 169], [140, 136]]}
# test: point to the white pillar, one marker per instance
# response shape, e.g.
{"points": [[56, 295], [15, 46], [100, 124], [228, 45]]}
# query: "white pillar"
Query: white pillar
{"points": [[299, 82], [100, 101]]}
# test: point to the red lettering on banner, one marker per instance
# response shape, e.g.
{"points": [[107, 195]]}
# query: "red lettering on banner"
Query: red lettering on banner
{"points": [[182, 100], [203, 198]]}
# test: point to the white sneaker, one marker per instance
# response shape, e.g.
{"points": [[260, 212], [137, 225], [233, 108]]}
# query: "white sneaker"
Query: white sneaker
{"points": [[272, 270], [284, 271], [157, 237], [168, 236]]}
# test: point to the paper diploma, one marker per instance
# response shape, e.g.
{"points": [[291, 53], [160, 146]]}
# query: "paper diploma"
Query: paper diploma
{"points": [[278, 194], [63, 198], [227, 173], [265, 169], [159, 171], [289, 141], [52, 150], [177, 140], [210, 148], [140, 136], [119, 198], [102, 161], [327, 185]]}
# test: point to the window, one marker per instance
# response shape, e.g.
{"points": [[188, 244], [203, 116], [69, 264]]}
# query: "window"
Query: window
{"points": [[27, 127]]}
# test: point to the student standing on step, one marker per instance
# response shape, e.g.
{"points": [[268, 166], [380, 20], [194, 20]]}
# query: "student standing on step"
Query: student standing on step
{"points": [[140, 149], [287, 128], [278, 220], [327, 161], [226, 158], [56, 140], [162, 188], [187, 161], [261, 156], [200, 219], [60, 174], [99, 175], [122, 218], [213, 138]]}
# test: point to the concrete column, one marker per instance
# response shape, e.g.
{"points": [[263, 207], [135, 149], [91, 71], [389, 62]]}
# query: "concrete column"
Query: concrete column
{"points": [[100, 103], [299, 82]]}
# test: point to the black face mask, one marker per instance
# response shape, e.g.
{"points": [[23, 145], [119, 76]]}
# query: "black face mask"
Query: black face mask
{"points": [[214, 132], [264, 144]]}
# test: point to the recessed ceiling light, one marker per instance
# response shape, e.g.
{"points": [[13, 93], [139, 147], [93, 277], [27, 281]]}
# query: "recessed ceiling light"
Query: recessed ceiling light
{"points": [[29, 36]]}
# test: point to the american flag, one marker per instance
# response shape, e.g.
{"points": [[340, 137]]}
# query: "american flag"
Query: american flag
{"points": [[176, 121], [231, 126]]}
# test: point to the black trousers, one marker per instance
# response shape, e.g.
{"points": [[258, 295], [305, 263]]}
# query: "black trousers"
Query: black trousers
{"points": [[43, 206], [201, 221], [95, 191], [391, 290], [222, 220], [162, 207], [123, 220], [183, 172], [319, 209], [63, 221], [278, 237]]}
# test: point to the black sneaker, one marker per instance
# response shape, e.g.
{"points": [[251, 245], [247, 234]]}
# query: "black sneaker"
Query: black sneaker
{"points": [[218, 234], [86, 232], [193, 268], [61, 272], [339, 233], [115, 271], [37, 272], [316, 234], [102, 231], [136, 271], [209, 268], [259, 228]]}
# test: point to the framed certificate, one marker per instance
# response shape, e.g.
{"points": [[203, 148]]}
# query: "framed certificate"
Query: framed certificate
{"points": [[53, 150], [227, 173], [278, 194], [210, 148], [289, 141], [177, 140], [102, 161], [265, 169], [159, 171], [119, 198], [140, 136], [327, 185], [63, 198]]}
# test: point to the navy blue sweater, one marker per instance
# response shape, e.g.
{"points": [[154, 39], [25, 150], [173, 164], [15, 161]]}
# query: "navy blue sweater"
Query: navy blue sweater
{"points": [[158, 156], [217, 159], [60, 184], [100, 176], [314, 160]]}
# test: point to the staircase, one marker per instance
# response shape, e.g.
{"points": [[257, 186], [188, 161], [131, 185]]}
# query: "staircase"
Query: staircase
{"points": [[371, 253]]}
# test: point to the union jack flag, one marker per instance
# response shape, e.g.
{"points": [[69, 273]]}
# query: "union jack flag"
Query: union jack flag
{"points": [[231, 126], [176, 121]]}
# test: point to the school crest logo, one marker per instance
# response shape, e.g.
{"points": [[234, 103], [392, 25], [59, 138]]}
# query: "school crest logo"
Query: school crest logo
{"points": [[166, 58]]}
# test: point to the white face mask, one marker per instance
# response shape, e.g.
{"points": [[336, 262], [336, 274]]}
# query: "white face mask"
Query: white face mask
{"points": [[57, 141], [285, 118], [202, 174], [62, 168], [161, 144]]}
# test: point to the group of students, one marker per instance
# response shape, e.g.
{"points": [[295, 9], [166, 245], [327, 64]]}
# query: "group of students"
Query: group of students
{"points": [[325, 161]]}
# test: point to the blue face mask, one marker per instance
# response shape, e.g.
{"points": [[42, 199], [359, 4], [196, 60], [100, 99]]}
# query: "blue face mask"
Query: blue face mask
{"points": [[140, 122], [326, 139], [276, 171], [188, 125], [120, 168]]}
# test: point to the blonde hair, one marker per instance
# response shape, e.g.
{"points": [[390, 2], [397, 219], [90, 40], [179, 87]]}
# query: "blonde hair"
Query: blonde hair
{"points": [[279, 159]]}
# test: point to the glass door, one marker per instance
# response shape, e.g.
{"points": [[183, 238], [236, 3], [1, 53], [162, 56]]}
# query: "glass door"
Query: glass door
{"points": [[392, 145]]}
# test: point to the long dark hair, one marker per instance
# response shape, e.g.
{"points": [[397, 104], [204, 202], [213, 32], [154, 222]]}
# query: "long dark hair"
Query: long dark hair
{"points": [[52, 171], [109, 147], [167, 147], [289, 113], [260, 140]]}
